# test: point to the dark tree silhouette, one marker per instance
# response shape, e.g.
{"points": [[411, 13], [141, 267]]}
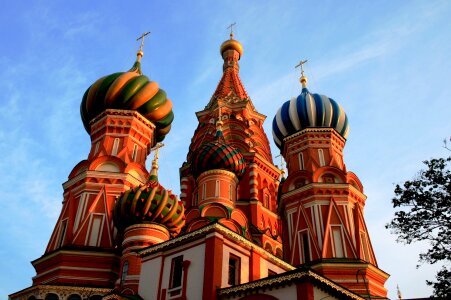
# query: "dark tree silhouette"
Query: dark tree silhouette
{"points": [[425, 215]]}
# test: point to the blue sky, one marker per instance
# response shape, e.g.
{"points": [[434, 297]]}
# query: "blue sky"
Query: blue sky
{"points": [[386, 62]]}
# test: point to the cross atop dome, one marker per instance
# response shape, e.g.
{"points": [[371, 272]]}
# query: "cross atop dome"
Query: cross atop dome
{"points": [[140, 52], [303, 78], [231, 29]]}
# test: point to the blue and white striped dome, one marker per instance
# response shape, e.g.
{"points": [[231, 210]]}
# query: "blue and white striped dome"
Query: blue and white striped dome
{"points": [[306, 111]]}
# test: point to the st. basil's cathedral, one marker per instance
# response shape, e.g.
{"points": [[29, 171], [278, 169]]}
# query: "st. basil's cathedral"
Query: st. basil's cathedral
{"points": [[240, 229]]}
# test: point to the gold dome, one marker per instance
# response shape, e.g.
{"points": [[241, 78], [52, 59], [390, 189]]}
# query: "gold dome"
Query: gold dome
{"points": [[232, 45]]}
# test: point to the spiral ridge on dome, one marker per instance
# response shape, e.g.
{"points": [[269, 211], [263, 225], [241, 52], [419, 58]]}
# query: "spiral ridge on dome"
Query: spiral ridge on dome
{"points": [[132, 91], [150, 203], [307, 111]]}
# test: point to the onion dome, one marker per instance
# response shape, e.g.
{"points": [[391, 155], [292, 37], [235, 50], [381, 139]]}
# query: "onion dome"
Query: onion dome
{"points": [[308, 111], [129, 90], [218, 155], [150, 203], [231, 44]]}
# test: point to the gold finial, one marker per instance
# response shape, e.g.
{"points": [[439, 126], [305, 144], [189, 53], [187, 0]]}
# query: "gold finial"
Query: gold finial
{"points": [[231, 29], [303, 78], [282, 165], [140, 52], [156, 148]]}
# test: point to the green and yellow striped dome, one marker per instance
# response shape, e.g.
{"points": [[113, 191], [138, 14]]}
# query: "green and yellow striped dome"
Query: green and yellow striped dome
{"points": [[150, 203], [132, 91]]}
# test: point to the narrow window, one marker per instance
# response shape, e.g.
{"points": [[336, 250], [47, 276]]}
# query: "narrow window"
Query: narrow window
{"points": [[80, 210], [217, 188], [95, 230], [204, 191], [338, 241], [366, 252], [135, 152], [234, 270], [62, 234], [322, 163], [306, 247], [195, 200], [230, 192], [301, 161], [124, 272], [115, 146], [176, 272], [266, 201], [96, 148]]}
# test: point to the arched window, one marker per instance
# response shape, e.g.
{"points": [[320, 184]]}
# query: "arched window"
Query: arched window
{"points": [[74, 297], [322, 162], [135, 152], [124, 272], [51, 296], [115, 146], [301, 161]]}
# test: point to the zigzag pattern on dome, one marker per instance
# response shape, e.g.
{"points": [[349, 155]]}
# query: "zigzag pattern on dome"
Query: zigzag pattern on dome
{"points": [[306, 111], [218, 155]]}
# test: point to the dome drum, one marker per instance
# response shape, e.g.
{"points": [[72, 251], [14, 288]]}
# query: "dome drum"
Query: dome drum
{"points": [[145, 235], [217, 187]]}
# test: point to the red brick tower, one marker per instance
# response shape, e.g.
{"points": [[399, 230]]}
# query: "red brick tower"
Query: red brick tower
{"points": [[125, 114], [322, 202], [214, 186]]}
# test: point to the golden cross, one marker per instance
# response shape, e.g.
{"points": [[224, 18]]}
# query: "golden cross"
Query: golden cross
{"points": [[301, 64], [231, 28], [282, 164], [142, 40], [156, 148]]}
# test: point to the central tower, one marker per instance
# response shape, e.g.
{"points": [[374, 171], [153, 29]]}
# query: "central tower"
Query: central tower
{"points": [[228, 176]]}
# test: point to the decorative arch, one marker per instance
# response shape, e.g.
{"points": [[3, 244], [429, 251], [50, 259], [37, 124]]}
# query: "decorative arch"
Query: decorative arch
{"points": [[337, 173], [353, 180], [215, 210], [239, 217], [294, 179], [268, 247], [80, 167], [232, 225], [51, 296], [196, 224], [74, 297], [120, 165]]}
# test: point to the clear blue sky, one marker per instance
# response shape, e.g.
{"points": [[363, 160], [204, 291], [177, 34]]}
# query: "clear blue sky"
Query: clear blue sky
{"points": [[386, 62]]}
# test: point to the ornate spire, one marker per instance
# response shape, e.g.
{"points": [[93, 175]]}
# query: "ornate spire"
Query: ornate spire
{"points": [[303, 78], [230, 83]]}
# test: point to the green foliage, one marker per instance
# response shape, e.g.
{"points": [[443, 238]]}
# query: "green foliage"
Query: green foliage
{"points": [[426, 216]]}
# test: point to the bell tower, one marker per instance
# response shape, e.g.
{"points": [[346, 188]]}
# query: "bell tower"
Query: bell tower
{"points": [[322, 202]]}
